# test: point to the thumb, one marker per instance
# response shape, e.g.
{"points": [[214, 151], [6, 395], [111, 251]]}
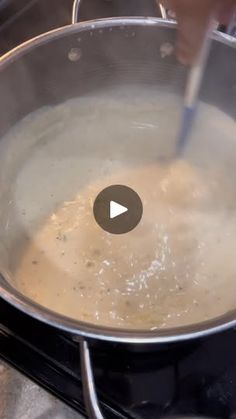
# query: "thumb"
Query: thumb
{"points": [[193, 18]]}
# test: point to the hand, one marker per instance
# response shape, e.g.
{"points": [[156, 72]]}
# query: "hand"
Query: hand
{"points": [[193, 18]]}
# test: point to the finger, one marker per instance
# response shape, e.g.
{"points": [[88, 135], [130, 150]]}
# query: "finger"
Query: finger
{"points": [[226, 11], [193, 20], [191, 35]]}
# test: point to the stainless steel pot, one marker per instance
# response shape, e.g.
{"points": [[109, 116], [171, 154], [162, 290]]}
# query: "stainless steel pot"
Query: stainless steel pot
{"points": [[54, 67]]}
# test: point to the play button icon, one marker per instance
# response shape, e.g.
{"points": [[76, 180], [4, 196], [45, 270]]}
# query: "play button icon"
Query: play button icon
{"points": [[117, 209]]}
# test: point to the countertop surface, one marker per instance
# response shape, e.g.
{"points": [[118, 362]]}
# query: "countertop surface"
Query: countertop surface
{"points": [[22, 399]]}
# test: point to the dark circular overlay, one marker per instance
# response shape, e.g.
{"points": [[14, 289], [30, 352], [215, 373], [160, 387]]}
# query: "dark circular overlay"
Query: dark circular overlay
{"points": [[118, 195]]}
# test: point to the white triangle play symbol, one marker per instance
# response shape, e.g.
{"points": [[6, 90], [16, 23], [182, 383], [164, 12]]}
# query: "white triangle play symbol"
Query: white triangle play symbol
{"points": [[116, 209]]}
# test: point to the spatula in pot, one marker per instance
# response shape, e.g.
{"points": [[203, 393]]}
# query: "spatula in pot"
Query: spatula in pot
{"points": [[192, 92]]}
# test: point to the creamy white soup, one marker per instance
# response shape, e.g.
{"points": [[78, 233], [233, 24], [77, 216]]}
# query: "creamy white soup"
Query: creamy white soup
{"points": [[178, 266]]}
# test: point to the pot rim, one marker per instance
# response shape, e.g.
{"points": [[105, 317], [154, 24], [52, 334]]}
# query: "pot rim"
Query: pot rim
{"points": [[76, 327], [91, 25]]}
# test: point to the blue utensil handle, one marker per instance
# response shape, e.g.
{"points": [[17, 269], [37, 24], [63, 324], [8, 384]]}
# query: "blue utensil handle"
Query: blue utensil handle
{"points": [[185, 128]]}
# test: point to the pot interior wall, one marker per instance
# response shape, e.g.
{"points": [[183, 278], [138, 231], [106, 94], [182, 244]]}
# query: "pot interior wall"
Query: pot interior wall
{"points": [[77, 63]]}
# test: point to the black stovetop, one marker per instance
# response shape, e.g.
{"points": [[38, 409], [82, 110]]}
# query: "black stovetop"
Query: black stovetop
{"points": [[195, 378]]}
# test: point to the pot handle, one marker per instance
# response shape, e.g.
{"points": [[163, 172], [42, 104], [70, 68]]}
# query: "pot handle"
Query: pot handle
{"points": [[163, 12], [75, 11], [77, 3], [89, 388]]}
